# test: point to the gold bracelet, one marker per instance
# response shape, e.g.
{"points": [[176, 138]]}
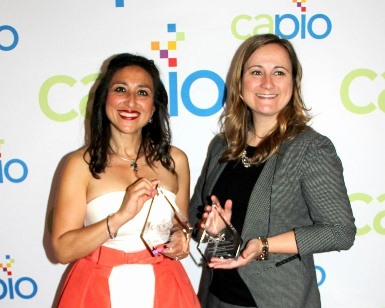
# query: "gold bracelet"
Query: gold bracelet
{"points": [[265, 249], [112, 235]]}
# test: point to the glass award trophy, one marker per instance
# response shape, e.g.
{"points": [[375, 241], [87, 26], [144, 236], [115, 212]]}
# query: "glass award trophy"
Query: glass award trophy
{"points": [[165, 224], [219, 239]]}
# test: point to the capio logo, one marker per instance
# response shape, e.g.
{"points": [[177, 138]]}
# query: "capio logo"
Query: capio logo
{"points": [[376, 220], [12, 287], [213, 84], [362, 77], [60, 111], [288, 26], [166, 49], [13, 170], [9, 38]]}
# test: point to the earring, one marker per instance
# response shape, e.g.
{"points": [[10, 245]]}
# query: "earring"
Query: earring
{"points": [[150, 121]]}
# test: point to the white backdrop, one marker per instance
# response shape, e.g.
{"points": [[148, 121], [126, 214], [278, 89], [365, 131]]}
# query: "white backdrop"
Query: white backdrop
{"points": [[51, 51]]}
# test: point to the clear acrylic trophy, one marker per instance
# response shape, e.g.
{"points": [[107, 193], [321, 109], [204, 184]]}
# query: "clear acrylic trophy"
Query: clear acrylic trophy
{"points": [[165, 224], [219, 239]]}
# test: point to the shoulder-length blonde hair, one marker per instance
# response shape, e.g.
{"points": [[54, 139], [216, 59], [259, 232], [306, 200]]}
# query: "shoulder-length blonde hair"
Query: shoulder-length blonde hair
{"points": [[236, 119]]}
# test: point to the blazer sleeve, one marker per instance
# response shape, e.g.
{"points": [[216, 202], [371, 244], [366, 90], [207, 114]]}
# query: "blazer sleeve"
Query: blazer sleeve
{"points": [[324, 191]]}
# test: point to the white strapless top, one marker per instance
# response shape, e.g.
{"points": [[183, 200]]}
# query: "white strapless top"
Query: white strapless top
{"points": [[129, 235]]}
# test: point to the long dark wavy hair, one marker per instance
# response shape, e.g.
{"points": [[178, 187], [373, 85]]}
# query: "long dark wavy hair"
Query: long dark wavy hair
{"points": [[236, 119], [156, 135]]}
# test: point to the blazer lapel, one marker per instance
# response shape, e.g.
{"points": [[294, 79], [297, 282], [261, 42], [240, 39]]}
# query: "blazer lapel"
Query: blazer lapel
{"points": [[258, 211]]}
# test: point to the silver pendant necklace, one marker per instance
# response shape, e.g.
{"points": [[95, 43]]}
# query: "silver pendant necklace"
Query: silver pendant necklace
{"points": [[133, 162]]}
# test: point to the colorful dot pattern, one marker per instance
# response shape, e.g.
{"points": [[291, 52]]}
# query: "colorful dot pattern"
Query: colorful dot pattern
{"points": [[300, 4], [6, 267], [165, 48]]}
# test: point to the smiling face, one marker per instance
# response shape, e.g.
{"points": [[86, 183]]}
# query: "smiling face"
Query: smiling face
{"points": [[130, 100], [267, 82]]}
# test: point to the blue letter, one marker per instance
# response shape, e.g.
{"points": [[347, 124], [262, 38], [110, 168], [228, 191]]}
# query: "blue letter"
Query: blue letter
{"points": [[15, 38], [186, 93], [173, 90], [22, 164], [328, 28], [278, 20]]}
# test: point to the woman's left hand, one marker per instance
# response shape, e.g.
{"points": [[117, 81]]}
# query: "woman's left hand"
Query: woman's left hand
{"points": [[178, 247], [252, 250]]}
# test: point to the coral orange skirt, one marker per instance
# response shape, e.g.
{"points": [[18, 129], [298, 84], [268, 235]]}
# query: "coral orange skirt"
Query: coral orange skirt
{"points": [[88, 284]]}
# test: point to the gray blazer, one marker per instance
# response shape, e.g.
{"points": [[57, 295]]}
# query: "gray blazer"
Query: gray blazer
{"points": [[301, 188]]}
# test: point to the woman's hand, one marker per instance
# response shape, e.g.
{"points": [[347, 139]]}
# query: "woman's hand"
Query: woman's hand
{"points": [[252, 250], [212, 221], [179, 245], [136, 195]]}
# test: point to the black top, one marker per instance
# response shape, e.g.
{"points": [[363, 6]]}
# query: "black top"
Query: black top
{"points": [[236, 183]]}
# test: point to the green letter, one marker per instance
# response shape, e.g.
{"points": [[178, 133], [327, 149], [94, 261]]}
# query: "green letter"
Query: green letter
{"points": [[43, 98], [377, 220], [234, 27], [345, 86], [269, 25], [367, 199]]}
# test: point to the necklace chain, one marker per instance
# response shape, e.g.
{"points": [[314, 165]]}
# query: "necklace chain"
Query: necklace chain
{"points": [[133, 162]]}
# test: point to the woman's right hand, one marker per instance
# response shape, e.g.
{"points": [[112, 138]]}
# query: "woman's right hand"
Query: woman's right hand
{"points": [[136, 195], [212, 221]]}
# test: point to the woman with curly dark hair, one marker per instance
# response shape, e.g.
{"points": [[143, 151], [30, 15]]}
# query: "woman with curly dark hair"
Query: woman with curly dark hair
{"points": [[107, 190]]}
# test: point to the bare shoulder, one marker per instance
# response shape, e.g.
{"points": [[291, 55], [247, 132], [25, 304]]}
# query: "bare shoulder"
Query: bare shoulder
{"points": [[76, 159], [178, 155], [182, 170], [75, 165]]}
